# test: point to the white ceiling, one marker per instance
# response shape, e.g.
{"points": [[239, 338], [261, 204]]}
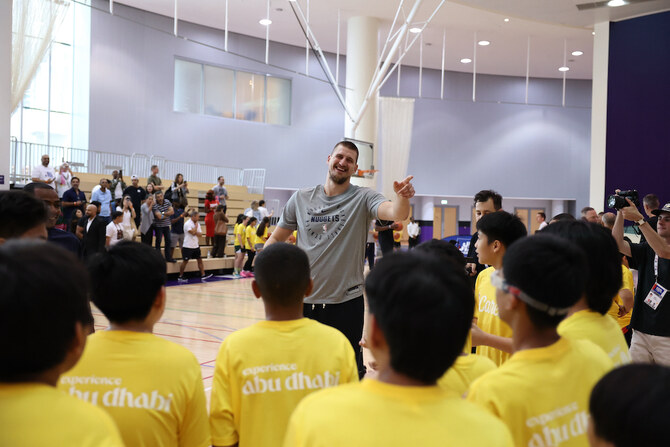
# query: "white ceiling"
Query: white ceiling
{"points": [[548, 23]]}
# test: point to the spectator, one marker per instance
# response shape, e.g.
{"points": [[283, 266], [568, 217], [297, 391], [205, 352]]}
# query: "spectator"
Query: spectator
{"points": [[413, 231], [162, 210], [419, 315], [384, 229], [114, 230], [486, 201], [154, 179], [168, 405], [117, 185], [73, 199], [177, 230], [629, 407], [128, 218], [249, 245], [44, 313], [562, 216], [607, 220], [590, 215], [316, 352], [43, 173], [191, 250], [179, 190], [104, 196], [253, 211], [210, 206], [137, 196], [49, 197], [542, 277], [588, 317], [263, 211], [23, 216], [146, 226], [370, 246], [74, 220], [261, 234], [221, 192], [63, 179], [220, 232], [151, 189], [541, 218], [650, 203], [240, 237], [91, 230]]}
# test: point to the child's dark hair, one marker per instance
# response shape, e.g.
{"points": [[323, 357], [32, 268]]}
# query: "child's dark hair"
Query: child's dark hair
{"points": [[20, 212], [44, 294], [550, 270], [630, 405], [424, 308], [265, 222], [240, 219], [125, 280], [445, 250], [502, 226], [602, 255], [282, 274]]}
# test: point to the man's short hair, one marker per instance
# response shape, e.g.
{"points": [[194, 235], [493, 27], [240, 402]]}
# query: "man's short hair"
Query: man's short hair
{"points": [[44, 294], [629, 406], [485, 194], [96, 203], [261, 203], [602, 255], [282, 274], [502, 226], [126, 280], [443, 249], [550, 270], [563, 216], [196, 212], [219, 178], [542, 215], [651, 200], [153, 167], [424, 307], [75, 178], [586, 209], [608, 219], [349, 145], [31, 187], [116, 214], [19, 212]]}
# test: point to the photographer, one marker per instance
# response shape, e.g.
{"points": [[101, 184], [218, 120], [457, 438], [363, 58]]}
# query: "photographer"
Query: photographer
{"points": [[651, 313]]}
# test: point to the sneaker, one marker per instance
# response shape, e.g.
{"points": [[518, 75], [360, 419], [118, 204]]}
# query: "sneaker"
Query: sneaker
{"points": [[171, 261], [181, 280], [206, 277], [236, 275], [245, 274]]}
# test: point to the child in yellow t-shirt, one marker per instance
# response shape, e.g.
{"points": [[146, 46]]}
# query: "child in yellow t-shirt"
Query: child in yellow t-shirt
{"points": [[240, 237], [255, 390], [44, 318], [541, 392], [492, 336], [151, 387], [420, 312], [622, 305], [249, 247], [588, 318]]}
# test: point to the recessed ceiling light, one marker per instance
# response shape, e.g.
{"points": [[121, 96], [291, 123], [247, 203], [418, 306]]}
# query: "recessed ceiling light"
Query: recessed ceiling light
{"points": [[265, 22], [465, 60], [615, 3], [563, 68], [484, 43], [415, 30], [577, 53], [506, 20], [593, 33]]}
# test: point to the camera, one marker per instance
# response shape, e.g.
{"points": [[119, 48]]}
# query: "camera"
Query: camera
{"points": [[618, 201]]}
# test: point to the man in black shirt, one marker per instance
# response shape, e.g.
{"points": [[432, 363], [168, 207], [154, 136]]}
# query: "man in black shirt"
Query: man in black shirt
{"points": [[651, 311], [137, 196], [384, 230], [486, 201]]}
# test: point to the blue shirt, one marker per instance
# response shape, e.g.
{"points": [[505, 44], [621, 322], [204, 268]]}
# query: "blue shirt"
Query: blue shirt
{"points": [[71, 196], [178, 226], [105, 198]]}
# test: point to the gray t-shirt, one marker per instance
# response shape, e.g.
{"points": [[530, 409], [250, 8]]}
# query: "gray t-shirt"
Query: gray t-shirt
{"points": [[221, 192], [333, 231]]}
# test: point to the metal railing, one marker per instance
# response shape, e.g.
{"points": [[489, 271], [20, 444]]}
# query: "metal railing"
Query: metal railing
{"points": [[25, 156]]}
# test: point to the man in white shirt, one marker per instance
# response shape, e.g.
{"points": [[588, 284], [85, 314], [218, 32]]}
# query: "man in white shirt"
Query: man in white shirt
{"points": [[263, 210], [542, 219], [43, 173], [114, 230], [413, 232], [191, 249]]}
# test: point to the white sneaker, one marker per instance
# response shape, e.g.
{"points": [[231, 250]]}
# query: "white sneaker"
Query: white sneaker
{"points": [[181, 280], [206, 277]]}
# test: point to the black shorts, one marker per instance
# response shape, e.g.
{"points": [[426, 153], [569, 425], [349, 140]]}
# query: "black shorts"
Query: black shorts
{"points": [[190, 253]]}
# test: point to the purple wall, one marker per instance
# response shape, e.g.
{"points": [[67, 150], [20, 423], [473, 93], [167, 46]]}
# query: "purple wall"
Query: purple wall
{"points": [[638, 128]]}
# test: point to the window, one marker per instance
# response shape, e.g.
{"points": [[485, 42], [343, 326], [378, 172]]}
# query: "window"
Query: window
{"points": [[216, 91]]}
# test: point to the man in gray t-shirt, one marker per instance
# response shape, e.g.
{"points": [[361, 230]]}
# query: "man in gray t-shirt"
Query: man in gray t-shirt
{"points": [[221, 192], [332, 222]]}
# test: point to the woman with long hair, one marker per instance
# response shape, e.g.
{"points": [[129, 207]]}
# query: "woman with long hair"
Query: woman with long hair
{"points": [[179, 190], [210, 205], [262, 234]]}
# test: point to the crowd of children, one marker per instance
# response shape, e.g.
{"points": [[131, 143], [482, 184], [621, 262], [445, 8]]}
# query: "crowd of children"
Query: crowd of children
{"points": [[552, 368]]}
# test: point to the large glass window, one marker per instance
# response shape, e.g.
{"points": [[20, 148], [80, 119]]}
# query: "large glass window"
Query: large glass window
{"points": [[227, 93]]}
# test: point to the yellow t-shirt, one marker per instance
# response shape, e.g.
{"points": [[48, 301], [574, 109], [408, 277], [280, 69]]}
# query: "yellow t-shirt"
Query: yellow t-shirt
{"points": [[372, 413], [601, 330], [238, 232], [250, 237], [34, 414], [488, 320], [629, 284], [263, 371], [542, 394], [464, 371], [151, 387]]}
